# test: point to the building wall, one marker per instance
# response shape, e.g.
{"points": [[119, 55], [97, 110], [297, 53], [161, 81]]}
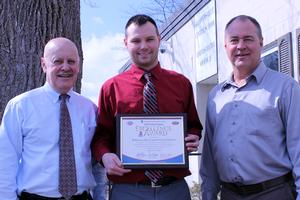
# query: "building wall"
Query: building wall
{"points": [[177, 53], [277, 18]]}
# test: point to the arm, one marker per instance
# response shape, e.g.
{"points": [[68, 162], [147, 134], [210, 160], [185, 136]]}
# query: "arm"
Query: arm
{"points": [[10, 152], [104, 138], [103, 144], [290, 114], [193, 122], [210, 186]]}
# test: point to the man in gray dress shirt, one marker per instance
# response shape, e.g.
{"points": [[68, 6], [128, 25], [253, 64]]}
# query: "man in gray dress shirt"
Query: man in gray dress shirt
{"points": [[252, 141]]}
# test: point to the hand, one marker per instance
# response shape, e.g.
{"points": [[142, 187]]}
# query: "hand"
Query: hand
{"points": [[192, 142], [113, 165]]}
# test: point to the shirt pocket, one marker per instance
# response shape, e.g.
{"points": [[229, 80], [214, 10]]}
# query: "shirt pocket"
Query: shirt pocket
{"points": [[263, 121], [86, 135]]}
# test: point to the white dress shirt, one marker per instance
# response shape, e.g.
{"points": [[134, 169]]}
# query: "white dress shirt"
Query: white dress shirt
{"points": [[29, 143]]}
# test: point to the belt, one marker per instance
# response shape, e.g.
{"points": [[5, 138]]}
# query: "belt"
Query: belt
{"points": [[29, 196], [258, 187], [161, 182]]}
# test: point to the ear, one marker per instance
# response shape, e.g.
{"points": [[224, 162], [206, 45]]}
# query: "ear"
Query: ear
{"points": [[159, 39], [225, 45], [43, 64], [125, 41], [261, 42]]}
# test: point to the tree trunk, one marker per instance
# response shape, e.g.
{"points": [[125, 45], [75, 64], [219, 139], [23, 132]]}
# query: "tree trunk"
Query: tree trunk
{"points": [[25, 27]]}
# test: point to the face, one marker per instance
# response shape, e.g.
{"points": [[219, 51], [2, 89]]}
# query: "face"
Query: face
{"points": [[243, 45], [61, 64], [142, 43]]}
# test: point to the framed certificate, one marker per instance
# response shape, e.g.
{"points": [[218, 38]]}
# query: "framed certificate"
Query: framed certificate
{"points": [[152, 141]]}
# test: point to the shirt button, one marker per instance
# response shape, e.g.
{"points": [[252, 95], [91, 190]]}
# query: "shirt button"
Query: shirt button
{"points": [[233, 123], [235, 105], [231, 141], [238, 179]]}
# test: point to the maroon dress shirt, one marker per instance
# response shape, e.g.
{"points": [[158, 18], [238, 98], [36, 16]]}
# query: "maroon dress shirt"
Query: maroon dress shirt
{"points": [[123, 94]]}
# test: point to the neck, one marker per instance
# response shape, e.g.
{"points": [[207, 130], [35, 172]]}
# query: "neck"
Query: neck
{"points": [[148, 67], [240, 82], [240, 76]]}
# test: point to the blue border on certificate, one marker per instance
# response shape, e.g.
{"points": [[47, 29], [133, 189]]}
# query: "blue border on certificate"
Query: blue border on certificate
{"points": [[174, 160]]}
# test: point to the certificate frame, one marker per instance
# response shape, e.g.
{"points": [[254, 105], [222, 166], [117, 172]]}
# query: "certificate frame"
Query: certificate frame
{"points": [[152, 140]]}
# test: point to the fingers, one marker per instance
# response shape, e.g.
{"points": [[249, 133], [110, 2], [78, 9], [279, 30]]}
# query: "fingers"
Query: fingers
{"points": [[192, 142], [119, 171], [113, 165]]}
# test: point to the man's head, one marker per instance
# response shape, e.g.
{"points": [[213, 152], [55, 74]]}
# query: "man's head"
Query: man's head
{"points": [[243, 42], [142, 41], [61, 64]]}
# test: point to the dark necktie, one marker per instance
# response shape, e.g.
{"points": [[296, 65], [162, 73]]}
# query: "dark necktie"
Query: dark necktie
{"points": [[67, 168], [151, 107]]}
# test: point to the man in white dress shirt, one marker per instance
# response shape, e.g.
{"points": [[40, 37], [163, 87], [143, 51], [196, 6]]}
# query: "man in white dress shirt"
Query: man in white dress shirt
{"points": [[29, 132]]}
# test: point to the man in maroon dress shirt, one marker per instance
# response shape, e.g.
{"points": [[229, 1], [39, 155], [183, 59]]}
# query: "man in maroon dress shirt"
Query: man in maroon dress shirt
{"points": [[123, 94]]}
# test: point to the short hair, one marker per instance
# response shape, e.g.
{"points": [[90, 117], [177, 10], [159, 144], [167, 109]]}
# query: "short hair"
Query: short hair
{"points": [[140, 19], [244, 18]]}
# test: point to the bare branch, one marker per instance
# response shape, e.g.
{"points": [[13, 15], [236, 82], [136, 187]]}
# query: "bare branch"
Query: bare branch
{"points": [[161, 10], [91, 3]]}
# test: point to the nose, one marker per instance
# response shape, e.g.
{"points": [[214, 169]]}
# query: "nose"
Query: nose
{"points": [[65, 66], [241, 44], [144, 45]]}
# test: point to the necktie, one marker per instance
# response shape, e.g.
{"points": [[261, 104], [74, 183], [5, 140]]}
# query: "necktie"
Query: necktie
{"points": [[67, 168], [151, 107]]}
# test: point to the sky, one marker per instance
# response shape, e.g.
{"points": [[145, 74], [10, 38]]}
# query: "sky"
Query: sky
{"points": [[102, 33], [104, 53]]}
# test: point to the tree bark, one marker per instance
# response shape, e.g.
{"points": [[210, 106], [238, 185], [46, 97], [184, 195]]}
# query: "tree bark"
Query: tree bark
{"points": [[25, 27]]}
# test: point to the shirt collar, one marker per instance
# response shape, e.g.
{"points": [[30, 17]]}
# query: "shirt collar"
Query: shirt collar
{"points": [[53, 94], [259, 72], [257, 75], [139, 72]]}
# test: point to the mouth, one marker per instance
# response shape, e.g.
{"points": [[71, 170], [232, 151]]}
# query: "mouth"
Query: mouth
{"points": [[67, 75], [143, 54], [241, 55]]}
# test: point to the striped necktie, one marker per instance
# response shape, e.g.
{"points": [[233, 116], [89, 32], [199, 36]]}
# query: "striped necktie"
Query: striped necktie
{"points": [[67, 168], [151, 107]]}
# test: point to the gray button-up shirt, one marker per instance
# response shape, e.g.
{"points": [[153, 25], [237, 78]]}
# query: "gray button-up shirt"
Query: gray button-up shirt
{"points": [[252, 132]]}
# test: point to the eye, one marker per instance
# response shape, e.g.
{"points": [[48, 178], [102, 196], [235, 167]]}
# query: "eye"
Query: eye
{"points": [[135, 41], [248, 39], [71, 62], [234, 41], [57, 62]]}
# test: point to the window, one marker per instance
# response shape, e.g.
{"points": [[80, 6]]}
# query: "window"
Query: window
{"points": [[298, 51], [270, 57], [285, 54], [278, 55]]}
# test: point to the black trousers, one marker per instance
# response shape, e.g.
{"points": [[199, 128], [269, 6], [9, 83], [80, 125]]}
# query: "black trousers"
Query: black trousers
{"points": [[284, 191], [29, 196]]}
